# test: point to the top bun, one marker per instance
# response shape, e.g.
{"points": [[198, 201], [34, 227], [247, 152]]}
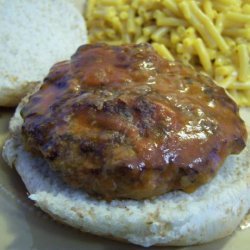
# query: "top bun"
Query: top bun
{"points": [[33, 36]]}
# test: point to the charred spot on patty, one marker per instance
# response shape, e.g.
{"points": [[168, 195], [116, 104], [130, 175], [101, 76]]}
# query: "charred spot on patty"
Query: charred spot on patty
{"points": [[122, 122]]}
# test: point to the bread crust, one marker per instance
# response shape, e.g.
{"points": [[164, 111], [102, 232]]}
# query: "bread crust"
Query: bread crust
{"points": [[177, 219]]}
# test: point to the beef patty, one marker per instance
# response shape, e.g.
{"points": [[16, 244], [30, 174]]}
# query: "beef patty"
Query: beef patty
{"points": [[122, 122]]}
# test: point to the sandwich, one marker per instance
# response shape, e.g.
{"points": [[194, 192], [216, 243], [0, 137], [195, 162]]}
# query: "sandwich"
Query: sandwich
{"points": [[119, 142]]}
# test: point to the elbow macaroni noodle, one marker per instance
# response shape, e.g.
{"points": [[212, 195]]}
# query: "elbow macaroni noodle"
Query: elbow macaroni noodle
{"points": [[213, 36]]}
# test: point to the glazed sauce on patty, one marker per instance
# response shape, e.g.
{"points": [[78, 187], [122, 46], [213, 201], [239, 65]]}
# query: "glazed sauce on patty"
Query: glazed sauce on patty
{"points": [[122, 122]]}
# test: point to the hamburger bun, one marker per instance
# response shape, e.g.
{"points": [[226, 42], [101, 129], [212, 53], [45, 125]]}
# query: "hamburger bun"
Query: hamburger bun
{"points": [[213, 211], [33, 36]]}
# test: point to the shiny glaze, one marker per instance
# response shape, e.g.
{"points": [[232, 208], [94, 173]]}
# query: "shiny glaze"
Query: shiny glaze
{"points": [[125, 111]]}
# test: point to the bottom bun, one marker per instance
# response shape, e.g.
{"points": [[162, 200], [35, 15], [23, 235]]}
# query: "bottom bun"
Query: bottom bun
{"points": [[176, 218]]}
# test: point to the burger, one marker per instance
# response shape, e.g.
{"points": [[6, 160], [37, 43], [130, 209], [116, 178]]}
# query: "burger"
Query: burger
{"points": [[122, 143]]}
